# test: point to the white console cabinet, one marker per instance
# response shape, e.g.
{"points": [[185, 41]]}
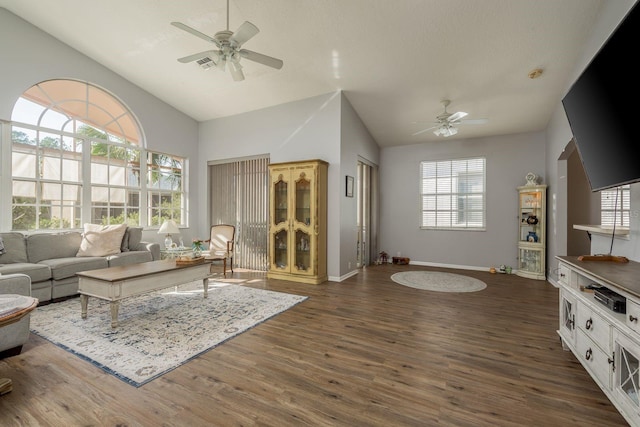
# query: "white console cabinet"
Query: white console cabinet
{"points": [[607, 343]]}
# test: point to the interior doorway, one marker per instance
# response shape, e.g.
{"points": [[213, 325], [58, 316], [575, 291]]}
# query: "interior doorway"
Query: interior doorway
{"points": [[366, 193]]}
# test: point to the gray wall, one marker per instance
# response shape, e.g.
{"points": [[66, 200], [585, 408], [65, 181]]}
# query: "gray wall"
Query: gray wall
{"points": [[356, 144], [322, 127], [558, 135], [509, 159], [30, 56]]}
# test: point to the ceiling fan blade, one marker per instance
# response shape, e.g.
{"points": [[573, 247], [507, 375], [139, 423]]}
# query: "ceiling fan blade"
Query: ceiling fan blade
{"points": [[236, 71], [474, 122], [457, 116], [244, 33], [195, 32], [262, 59], [424, 130], [211, 53]]}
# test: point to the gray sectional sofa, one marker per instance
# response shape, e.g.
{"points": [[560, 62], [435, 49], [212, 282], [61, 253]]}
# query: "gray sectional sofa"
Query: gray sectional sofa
{"points": [[13, 336], [51, 261]]}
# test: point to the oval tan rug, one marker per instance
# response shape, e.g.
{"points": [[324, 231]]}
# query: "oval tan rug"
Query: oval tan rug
{"points": [[439, 282]]}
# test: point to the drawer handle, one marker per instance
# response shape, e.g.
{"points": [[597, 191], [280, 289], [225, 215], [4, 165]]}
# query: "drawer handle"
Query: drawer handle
{"points": [[632, 319], [587, 355], [588, 324]]}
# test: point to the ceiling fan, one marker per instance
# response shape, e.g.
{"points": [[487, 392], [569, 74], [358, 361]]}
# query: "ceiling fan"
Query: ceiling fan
{"points": [[445, 124], [229, 49]]}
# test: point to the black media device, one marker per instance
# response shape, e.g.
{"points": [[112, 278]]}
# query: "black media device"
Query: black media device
{"points": [[612, 300], [596, 107]]}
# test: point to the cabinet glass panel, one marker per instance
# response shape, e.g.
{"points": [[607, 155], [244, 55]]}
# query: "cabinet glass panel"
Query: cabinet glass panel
{"points": [[567, 314], [629, 374], [280, 202], [531, 217], [530, 260], [303, 251], [303, 201], [280, 249]]}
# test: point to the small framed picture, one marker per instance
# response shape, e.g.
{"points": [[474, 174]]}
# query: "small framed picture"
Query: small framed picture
{"points": [[349, 192]]}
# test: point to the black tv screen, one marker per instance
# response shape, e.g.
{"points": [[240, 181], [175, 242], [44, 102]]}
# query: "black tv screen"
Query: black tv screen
{"points": [[601, 113]]}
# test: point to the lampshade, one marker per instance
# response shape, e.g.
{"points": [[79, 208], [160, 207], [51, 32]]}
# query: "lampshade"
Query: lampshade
{"points": [[169, 226]]}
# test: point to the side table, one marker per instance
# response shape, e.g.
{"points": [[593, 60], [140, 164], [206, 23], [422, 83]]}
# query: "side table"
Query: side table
{"points": [[12, 309]]}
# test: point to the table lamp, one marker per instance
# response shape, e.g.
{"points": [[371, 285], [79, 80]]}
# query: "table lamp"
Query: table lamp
{"points": [[168, 227]]}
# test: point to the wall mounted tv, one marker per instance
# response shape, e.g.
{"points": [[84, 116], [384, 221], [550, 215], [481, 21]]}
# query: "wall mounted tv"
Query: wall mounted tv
{"points": [[599, 107]]}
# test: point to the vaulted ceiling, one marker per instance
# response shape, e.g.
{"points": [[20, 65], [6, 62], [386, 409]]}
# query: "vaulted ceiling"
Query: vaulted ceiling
{"points": [[395, 60]]}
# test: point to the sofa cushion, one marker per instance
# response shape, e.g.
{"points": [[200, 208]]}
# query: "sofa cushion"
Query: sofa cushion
{"points": [[15, 248], [131, 257], [99, 240], [62, 268], [37, 272], [41, 246], [135, 237], [124, 246]]}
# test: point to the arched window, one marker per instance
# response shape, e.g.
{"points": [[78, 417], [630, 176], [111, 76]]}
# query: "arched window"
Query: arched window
{"points": [[78, 156]]}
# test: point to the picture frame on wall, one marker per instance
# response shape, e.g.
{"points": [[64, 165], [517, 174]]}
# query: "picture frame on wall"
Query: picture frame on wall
{"points": [[349, 186]]}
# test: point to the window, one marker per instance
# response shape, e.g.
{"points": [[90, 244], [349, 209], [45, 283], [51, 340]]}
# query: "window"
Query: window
{"points": [[77, 157], [453, 194], [615, 205]]}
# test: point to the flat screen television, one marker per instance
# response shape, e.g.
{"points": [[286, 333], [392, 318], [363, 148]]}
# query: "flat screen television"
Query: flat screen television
{"points": [[601, 113]]}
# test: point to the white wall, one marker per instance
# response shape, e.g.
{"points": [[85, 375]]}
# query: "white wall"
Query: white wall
{"points": [[509, 159], [30, 56]]}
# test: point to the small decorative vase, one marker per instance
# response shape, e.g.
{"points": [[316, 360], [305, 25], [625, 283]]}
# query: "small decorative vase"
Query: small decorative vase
{"points": [[532, 237], [532, 220], [197, 252]]}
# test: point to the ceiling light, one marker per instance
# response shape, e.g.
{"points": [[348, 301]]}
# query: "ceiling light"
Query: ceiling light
{"points": [[445, 131]]}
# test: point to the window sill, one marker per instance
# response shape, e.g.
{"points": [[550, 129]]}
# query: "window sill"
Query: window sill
{"points": [[620, 233]]}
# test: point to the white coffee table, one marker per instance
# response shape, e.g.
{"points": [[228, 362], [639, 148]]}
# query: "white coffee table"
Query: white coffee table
{"points": [[116, 283]]}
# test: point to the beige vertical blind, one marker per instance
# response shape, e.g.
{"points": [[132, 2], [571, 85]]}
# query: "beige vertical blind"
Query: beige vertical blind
{"points": [[239, 195]]}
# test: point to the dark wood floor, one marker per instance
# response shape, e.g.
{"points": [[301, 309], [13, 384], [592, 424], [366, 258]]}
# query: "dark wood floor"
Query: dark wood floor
{"points": [[363, 352]]}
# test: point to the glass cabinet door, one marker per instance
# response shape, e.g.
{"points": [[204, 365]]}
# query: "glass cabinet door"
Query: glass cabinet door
{"points": [[280, 202], [280, 243], [303, 201], [627, 372], [530, 260], [303, 251], [531, 217]]}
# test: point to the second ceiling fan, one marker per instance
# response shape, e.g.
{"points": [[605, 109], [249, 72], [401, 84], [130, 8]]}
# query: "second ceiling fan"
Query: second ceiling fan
{"points": [[229, 50], [445, 124]]}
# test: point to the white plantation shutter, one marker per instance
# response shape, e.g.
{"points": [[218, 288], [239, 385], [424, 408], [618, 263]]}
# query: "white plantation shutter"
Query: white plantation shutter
{"points": [[453, 194], [615, 210]]}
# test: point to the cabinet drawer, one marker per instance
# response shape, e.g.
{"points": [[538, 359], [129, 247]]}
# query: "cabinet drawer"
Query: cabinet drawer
{"points": [[633, 315], [594, 326], [563, 274], [593, 359]]}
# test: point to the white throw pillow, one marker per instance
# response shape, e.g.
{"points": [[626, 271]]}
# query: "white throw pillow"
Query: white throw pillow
{"points": [[101, 240]]}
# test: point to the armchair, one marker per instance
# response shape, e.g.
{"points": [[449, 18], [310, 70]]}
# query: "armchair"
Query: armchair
{"points": [[13, 336], [221, 242]]}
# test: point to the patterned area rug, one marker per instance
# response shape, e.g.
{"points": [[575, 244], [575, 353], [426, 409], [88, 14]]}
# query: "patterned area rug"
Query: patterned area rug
{"points": [[439, 282], [158, 331]]}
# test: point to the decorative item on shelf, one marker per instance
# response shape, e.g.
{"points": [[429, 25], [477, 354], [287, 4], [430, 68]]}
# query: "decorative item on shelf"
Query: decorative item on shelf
{"points": [[532, 179], [532, 220], [532, 237], [168, 227], [198, 247]]}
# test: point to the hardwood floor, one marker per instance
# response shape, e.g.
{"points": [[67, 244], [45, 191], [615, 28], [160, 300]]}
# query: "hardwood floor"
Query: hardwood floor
{"points": [[363, 352]]}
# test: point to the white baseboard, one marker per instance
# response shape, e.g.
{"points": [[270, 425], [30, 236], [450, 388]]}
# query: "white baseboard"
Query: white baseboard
{"points": [[456, 266], [343, 277]]}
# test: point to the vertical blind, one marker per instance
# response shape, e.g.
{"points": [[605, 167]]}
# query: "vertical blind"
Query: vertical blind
{"points": [[239, 195]]}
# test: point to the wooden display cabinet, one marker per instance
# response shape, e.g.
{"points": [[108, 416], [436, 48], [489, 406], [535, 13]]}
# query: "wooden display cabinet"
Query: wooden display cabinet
{"points": [[298, 221], [532, 216]]}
